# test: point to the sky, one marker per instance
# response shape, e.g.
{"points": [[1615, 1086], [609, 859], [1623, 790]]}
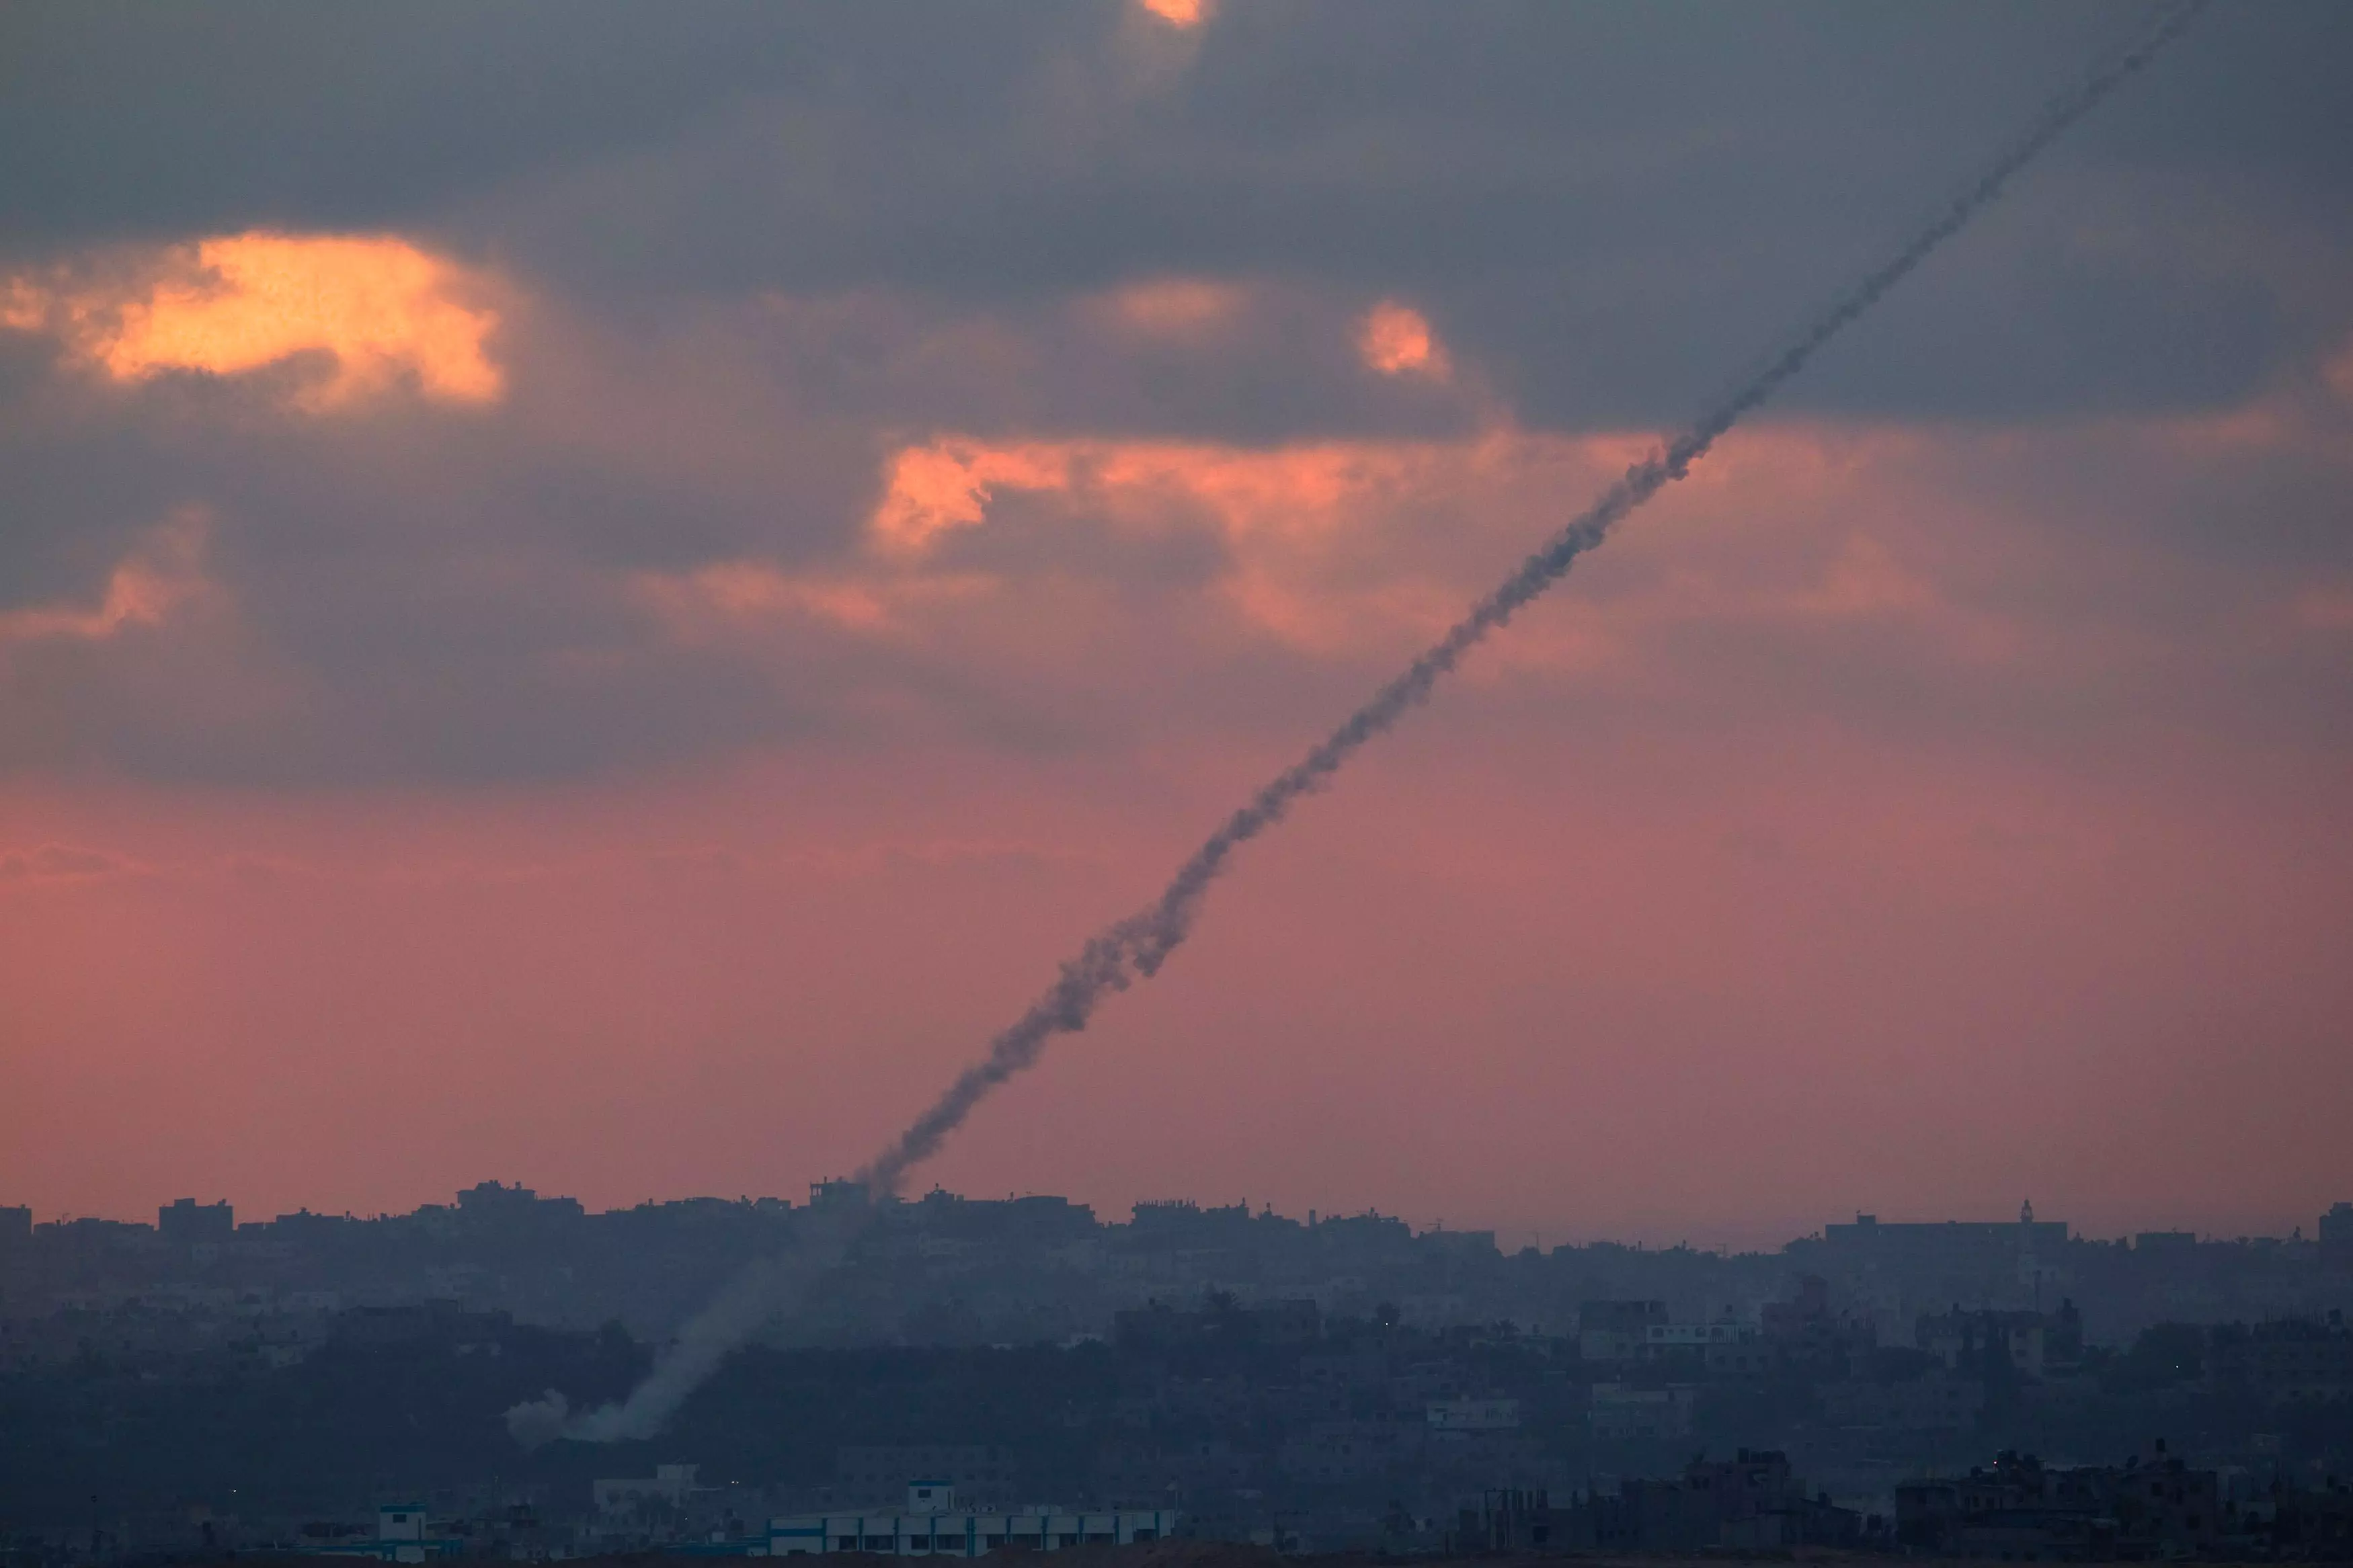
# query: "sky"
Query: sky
{"points": [[596, 598]]}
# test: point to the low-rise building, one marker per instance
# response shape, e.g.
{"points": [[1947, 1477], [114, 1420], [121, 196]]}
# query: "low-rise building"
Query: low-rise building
{"points": [[1750, 1502], [932, 1525], [1663, 1341], [1336, 1452], [2336, 1232], [1616, 1331], [1975, 1343], [1937, 1403], [1473, 1414], [669, 1486], [403, 1534], [1621, 1412], [2291, 1361], [2018, 1509], [185, 1220]]}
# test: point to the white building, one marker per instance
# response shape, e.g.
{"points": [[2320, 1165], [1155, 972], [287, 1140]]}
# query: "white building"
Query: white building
{"points": [[401, 1536], [1671, 1339], [1473, 1414], [400, 1521], [931, 1525]]}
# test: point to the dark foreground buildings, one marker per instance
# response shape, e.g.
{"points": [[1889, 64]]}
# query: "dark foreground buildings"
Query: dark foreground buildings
{"points": [[1322, 1382]]}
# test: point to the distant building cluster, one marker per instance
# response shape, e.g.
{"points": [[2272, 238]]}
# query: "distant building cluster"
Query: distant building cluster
{"points": [[931, 1524], [1208, 1370]]}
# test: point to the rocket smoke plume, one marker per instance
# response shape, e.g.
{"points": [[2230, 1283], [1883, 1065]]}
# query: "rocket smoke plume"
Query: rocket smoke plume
{"points": [[1136, 948]]}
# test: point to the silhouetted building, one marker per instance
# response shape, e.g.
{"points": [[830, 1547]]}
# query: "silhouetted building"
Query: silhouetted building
{"points": [[1616, 1331], [1947, 1243], [2173, 1242], [1748, 1502], [2287, 1360], [2315, 1526], [492, 1204], [1982, 1344], [2018, 1509], [2336, 1232], [669, 1487], [185, 1220]]}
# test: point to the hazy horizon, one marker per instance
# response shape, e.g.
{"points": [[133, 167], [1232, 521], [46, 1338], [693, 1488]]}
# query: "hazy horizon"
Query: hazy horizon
{"points": [[1747, 1234]]}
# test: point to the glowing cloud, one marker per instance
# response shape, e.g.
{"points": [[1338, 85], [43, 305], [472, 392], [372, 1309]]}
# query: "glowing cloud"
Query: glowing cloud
{"points": [[1175, 307], [383, 311], [948, 482], [946, 485], [164, 571], [1396, 339], [1178, 13], [1327, 546]]}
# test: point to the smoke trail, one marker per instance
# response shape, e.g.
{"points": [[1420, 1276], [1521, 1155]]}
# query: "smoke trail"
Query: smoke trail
{"points": [[1133, 949], [767, 1286]]}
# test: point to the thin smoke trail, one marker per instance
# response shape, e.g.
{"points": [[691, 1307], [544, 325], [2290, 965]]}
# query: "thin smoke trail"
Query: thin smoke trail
{"points": [[1133, 949]]}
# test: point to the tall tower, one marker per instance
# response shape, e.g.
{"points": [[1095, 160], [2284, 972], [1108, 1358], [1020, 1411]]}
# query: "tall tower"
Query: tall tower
{"points": [[2027, 1271]]}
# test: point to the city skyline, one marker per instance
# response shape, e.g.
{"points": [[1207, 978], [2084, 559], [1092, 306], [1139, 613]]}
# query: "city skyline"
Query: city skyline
{"points": [[1757, 1236]]}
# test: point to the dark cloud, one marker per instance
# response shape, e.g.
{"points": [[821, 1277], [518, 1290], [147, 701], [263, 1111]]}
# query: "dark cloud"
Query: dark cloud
{"points": [[115, 121], [754, 250], [1644, 190]]}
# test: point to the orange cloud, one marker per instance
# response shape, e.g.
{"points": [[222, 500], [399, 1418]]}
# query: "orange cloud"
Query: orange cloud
{"points": [[1396, 339], [947, 484], [1178, 13], [1332, 549], [1175, 307], [1325, 547], [381, 312], [166, 570]]}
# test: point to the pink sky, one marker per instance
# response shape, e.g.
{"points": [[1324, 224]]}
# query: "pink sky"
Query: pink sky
{"points": [[1720, 988], [474, 731]]}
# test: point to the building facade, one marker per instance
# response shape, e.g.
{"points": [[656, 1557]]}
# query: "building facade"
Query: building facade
{"points": [[932, 1525]]}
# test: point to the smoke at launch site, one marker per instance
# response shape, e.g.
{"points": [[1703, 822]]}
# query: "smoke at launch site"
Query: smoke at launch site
{"points": [[1136, 947]]}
